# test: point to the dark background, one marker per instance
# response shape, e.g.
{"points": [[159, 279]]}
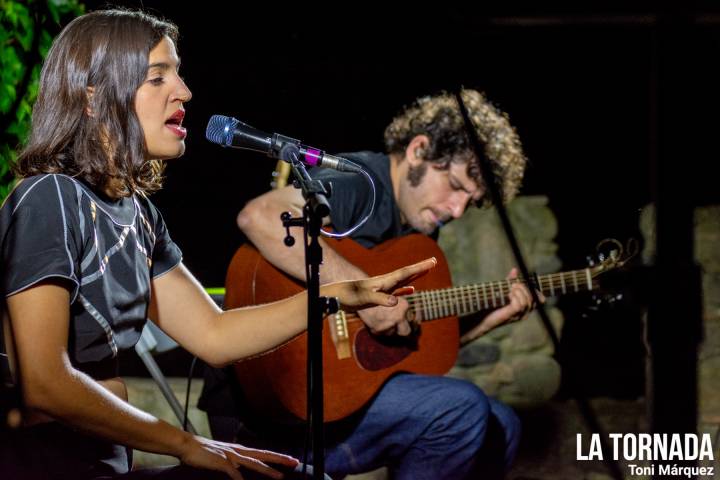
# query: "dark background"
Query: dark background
{"points": [[580, 84]]}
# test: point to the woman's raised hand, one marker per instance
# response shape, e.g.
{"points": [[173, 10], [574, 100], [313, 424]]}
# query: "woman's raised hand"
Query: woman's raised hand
{"points": [[379, 290]]}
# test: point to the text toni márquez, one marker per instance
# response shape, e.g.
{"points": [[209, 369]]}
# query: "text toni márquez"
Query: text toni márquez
{"points": [[651, 448]]}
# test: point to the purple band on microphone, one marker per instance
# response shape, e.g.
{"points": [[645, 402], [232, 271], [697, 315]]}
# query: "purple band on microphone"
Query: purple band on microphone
{"points": [[313, 156]]}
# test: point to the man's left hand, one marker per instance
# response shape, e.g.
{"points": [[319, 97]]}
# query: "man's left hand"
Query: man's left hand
{"points": [[521, 303]]}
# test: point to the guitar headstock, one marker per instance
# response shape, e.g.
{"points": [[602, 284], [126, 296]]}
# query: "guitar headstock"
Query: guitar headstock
{"points": [[612, 254]]}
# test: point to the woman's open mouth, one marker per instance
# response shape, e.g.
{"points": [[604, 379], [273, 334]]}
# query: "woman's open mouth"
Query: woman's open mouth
{"points": [[174, 123]]}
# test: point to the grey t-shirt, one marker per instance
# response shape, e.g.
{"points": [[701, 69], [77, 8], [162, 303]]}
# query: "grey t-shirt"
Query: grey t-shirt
{"points": [[352, 195]]}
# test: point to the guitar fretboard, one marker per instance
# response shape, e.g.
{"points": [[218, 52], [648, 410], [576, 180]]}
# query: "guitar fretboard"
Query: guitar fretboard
{"points": [[467, 299]]}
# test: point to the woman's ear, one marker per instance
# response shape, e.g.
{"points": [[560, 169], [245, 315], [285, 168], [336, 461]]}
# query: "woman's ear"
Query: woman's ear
{"points": [[89, 92]]}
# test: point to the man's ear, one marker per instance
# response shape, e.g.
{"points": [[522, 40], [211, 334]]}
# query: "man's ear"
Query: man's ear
{"points": [[89, 92], [415, 152]]}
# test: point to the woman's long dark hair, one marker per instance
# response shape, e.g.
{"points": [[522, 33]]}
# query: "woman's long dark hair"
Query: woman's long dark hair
{"points": [[84, 122]]}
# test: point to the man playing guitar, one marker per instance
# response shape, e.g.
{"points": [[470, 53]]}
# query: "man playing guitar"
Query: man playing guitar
{"points": [[419, 426]]}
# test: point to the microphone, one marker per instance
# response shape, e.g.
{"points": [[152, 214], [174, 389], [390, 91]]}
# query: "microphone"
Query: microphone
{"points": [[231, 132]]}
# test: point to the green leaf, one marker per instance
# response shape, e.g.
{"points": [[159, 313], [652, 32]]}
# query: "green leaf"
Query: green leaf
{"points": [[7, 97], [17, 34], [24, 111], [45, 43], [6, 189], [4, 35], [12, 65], [26, 33], [54, 11], [19, 130], [7, 158], [67, 7], [10, 14]]}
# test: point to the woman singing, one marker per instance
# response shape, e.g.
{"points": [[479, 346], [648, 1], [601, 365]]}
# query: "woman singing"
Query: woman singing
{"points": [[86, 259]]}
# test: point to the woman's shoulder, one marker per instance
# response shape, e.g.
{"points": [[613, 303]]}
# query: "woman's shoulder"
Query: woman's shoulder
{"points": [[40, 190]]}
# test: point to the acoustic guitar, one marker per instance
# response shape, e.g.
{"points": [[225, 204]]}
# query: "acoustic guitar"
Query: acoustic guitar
{"points": [[356, 363]]}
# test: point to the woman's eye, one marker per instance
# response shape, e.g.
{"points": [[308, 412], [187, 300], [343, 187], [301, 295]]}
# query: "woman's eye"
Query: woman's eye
{"points": [[156, 81]]}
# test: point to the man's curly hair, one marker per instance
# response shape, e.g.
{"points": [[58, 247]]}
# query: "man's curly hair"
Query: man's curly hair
{"points": [[439, 118]]}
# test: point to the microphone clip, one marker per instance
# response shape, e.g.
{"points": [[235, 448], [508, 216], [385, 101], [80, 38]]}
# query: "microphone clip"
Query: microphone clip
{"points": [[283, 147], [288, 221]]}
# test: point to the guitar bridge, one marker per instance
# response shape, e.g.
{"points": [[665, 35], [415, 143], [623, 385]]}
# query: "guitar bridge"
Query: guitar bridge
{"points": [[340, 334]]}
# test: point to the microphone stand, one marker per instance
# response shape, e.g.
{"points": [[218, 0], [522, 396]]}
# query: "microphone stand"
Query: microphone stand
{"points": [[316, 208], [495, 195]]}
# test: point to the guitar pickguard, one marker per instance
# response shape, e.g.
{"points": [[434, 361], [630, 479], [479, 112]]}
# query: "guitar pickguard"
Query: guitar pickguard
{"points": [[374, 352]]}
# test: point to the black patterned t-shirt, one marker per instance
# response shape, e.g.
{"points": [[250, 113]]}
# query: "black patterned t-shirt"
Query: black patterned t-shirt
{"points": [[55, 226]]}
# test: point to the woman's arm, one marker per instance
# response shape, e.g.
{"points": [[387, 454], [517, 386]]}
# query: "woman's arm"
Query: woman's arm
{"points": [[184, 311], [51, 385]]}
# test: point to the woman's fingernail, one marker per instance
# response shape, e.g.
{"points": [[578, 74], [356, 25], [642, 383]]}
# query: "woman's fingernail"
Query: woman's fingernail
{"points": [[392, 300]]}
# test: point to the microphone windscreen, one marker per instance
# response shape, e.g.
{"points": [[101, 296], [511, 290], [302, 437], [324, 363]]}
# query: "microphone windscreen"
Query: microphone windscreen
{"points": [[220, 130]]}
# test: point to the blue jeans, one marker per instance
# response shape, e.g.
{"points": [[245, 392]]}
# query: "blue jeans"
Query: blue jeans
{"points": [[424, 427]]}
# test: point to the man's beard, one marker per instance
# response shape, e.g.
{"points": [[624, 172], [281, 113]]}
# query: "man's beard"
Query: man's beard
{"points": [[416, 174]]}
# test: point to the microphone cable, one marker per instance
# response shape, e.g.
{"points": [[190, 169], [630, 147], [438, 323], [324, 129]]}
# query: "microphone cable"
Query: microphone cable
{"points": [[362, 221], [187, 394]]}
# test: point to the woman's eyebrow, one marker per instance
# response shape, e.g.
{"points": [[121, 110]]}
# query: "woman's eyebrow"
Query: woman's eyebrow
{"points": [[163, 65]]}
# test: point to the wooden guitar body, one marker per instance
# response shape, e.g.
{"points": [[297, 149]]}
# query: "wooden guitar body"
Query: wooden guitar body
{"points": [[275, 382]]}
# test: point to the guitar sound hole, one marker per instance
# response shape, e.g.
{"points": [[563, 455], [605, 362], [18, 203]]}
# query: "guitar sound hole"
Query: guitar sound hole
{"points": [[376, 352]]}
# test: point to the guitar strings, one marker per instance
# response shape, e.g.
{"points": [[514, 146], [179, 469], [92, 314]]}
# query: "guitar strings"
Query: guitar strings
{"points": [[501, 286], [475, 297]]}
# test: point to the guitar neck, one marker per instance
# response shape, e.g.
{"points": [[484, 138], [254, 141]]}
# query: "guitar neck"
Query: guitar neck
{"points": [[468, 299]]}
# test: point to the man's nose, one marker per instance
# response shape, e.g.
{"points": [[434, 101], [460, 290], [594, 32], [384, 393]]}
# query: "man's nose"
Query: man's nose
{"points": [[459, 204]]}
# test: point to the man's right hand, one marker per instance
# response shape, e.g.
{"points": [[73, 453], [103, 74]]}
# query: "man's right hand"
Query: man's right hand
{"points": [[385, 291], [387, 320]]}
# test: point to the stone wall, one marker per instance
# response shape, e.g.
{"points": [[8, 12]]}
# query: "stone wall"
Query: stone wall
{"points": [[707, 255], [513, 362]]}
